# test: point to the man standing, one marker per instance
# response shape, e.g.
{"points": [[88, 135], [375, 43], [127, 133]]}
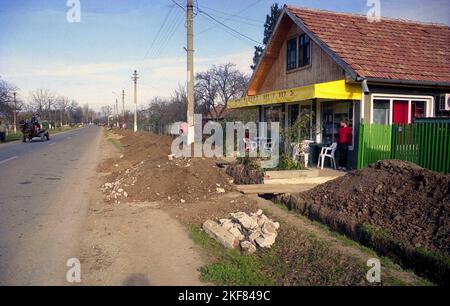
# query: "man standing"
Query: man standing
{"points": [[344, 141], [2, 132]]}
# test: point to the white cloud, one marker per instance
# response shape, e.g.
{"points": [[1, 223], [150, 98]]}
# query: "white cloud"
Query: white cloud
{"points": [[93, 83]]}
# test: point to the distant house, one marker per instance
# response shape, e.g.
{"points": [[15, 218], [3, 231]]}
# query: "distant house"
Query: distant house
{"points": [[343, 67]]}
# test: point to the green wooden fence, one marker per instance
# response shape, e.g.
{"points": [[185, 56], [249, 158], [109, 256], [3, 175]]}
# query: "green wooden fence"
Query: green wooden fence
{"points": [[424, 143]]}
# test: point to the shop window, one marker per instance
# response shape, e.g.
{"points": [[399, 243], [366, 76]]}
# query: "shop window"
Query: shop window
{"points": [[332, 115], [417, 109], [306, 110], [293, 113], [304, 51], [273, 114], [381, 111], [291, 60]]}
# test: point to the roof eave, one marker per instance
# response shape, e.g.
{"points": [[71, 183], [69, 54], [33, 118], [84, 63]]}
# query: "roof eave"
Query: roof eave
{"points": [[407, 82], [283, 12]]}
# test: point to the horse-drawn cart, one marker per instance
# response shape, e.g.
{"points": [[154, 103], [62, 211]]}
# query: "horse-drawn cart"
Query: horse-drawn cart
{"points": [[30, 131]]}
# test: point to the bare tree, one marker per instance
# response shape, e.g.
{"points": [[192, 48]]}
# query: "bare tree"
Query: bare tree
{"points": [[43, 100], [6, 98], [231, 83], [61, 104], [220, 84], [106, 111], [206, 91]]}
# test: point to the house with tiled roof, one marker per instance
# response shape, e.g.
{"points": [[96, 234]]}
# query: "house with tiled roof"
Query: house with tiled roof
{"points": [[341, 66]]}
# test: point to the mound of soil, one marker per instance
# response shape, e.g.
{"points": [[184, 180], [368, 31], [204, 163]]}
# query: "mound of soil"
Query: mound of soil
{"points": [[146, 173], [410, 202], [242, 175]]}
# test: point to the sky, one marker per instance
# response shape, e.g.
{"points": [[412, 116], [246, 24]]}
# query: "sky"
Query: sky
{"points": [[93, 60]]}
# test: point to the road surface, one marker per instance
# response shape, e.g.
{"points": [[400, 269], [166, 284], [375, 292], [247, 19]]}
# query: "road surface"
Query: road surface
{"points": [[44, 198]]}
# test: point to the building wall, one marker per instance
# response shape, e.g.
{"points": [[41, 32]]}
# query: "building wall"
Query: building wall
{"points": [[405, 91], [322, 69]]}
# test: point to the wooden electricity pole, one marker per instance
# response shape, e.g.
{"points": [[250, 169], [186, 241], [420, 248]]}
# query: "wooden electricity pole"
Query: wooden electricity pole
{"points": [[190, 70], [135, 78]]}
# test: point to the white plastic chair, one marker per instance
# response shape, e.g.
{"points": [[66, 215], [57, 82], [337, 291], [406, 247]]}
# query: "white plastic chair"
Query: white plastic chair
{"points": [[327, 152], [250, 145]]}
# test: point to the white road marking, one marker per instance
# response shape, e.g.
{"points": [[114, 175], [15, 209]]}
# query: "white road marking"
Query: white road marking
{"points": [[53, 143], [7, 160]]}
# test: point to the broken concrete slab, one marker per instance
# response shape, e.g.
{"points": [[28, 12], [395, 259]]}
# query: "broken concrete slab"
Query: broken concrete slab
{"points": [[247, 247], [269, 228], [223, 236], [237, 233], [245, 220], [266, 241]]}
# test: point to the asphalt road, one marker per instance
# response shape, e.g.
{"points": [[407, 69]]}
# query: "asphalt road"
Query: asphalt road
{"points": [[44, 198]]}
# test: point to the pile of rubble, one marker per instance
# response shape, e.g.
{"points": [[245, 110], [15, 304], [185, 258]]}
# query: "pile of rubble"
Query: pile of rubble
{"points": [[246, 231], [116, 190]]}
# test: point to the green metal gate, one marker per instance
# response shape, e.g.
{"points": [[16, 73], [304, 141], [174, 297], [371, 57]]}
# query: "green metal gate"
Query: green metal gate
{"points": [[424, 143]]}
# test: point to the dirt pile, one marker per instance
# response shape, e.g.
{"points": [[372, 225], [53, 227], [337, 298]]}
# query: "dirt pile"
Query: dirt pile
{"points": [[409, 202], [242, 175], [145, 172]]}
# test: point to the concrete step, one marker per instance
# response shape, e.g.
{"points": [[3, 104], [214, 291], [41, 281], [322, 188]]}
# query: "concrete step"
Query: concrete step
{"points": [[263, 189], [300, 181], [287, 174]]}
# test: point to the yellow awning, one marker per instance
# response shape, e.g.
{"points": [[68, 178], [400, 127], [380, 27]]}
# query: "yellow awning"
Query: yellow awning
{"points": [[336, 90]]}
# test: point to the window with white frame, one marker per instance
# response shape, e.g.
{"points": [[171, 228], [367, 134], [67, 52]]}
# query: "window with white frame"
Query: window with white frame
{"points": [[398, 109], [381, 111]]}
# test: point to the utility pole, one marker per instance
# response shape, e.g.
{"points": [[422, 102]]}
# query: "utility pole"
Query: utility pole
{"points": [[190, 70], [117, 112], [123, 108], [15, 112], [135, 78]]}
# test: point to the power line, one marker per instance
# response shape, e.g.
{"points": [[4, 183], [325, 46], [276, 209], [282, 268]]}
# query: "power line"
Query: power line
{"points": [[179, 5], [159, 32], [235, 14], [228, 27], [171, 30], [234, 20]]}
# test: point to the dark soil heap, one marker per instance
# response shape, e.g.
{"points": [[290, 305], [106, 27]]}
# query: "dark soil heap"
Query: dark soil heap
{"points": [[149, 175], [410, 202]]}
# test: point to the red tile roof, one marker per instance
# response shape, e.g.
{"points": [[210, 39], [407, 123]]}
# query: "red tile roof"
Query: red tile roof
{"points": [[389, 49], [220, 112]]}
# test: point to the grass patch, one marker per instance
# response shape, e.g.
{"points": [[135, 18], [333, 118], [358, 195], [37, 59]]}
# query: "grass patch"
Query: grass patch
{"points": [[232, 267], [433, 265], [295, 259], [13, 137], [116, 143], [18, 136]]}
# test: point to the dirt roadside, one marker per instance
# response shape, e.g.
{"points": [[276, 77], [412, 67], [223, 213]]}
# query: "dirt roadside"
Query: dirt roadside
{"points": [[139, 230], [134, 243]]}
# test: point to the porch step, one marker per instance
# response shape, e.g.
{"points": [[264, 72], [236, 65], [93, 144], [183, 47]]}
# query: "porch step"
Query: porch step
{"points": [[262, 189], [300, 181], [292, 174]]}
